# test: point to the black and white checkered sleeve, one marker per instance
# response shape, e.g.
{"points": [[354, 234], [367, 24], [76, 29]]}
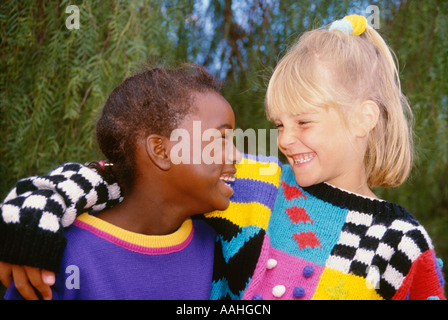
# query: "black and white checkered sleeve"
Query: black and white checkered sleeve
{"points": [[37, 210]]}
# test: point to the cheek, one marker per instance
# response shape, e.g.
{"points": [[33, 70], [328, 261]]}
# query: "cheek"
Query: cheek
{"points": [[214, 152], [315, 139], [206, 175], [336, 150]]}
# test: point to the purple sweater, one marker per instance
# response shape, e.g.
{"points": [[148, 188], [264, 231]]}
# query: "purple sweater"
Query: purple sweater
{"points": [[102, 261]]}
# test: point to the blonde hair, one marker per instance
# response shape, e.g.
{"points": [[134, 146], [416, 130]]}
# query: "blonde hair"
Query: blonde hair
{"points": [[332, 69]]}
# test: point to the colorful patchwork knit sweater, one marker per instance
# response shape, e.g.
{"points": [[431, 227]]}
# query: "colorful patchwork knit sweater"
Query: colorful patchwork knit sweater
{"points": [[326, 243], [275, 241]]}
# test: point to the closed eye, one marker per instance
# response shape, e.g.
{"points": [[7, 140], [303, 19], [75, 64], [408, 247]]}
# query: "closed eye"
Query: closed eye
{"points": [[278, 125], [228, 134]]}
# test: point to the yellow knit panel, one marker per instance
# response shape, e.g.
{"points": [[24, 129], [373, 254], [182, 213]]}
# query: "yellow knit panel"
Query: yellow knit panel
{"points": [[245, 214], [335, 285], [260, 171]]}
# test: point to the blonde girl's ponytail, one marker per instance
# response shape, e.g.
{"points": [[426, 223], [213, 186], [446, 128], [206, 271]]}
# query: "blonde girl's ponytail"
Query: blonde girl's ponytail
{"points": [[389, 154]]}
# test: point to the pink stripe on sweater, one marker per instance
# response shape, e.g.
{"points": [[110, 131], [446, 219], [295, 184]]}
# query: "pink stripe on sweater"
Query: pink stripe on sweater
{"points": [[131, 246]]}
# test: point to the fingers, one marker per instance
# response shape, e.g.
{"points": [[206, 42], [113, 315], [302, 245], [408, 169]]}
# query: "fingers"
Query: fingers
{"points": [[22, 284], [25, 278], [38, 279], [6, 274], [49, 278], [28, 279]]}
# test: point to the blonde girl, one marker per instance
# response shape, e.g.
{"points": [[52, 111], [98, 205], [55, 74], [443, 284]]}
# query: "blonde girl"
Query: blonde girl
{"points": [[351, 74], [344, 128]]}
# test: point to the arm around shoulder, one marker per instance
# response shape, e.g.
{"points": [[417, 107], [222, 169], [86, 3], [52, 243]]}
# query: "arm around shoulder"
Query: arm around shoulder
{"points": [[37, 210]]}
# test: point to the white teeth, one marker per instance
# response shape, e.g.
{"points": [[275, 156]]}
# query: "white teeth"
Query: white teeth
{"points": [[304, 159], [227, 178]]}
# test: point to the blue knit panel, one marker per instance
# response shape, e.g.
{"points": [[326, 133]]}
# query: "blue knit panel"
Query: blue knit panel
{"points": [[325, 224]]}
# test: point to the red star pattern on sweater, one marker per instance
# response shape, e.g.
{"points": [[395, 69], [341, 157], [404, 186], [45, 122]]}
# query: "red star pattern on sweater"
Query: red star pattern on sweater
{"points": [[292, 192], [297, 215], [307, 239]]}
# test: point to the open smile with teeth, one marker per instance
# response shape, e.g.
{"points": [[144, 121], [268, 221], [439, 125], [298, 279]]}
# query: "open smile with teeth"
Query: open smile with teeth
{"points": [[227, 178], [303, 157]]}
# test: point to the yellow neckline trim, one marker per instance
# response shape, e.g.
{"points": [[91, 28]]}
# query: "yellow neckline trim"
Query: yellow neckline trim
{"points": [[110, 231]]}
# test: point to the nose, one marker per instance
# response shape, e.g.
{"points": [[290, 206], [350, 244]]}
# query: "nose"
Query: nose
{"points": [[238, 156], [286, 137], [233, 155]]}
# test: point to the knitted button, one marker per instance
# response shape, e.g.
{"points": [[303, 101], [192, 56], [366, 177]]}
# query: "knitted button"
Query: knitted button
{"points": [[271, 263], [298, 292], [308, 271], [278, 291], [257, 297]]}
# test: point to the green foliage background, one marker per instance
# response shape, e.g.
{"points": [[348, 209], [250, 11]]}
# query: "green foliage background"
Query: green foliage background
{"points": [[54, 81]]}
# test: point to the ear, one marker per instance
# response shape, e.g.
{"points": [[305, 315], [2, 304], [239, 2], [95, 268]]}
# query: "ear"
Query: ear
{"points": [[368, 115], [158, 151]]}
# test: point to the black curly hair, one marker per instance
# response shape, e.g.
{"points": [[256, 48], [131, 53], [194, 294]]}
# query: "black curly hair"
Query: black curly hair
{"points": [[153, 101]]}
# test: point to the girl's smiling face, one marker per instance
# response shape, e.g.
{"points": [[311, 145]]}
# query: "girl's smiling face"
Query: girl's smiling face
{"points": [[201, 180], [320, 148]]}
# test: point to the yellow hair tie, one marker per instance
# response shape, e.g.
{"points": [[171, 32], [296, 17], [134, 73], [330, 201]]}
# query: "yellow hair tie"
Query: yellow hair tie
{"points": [[359, 24], [352, 24]]}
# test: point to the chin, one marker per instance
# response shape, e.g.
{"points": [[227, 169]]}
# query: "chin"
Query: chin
{"points": [[223, 206], [220, 203], [303, 182], [304, 185]]}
